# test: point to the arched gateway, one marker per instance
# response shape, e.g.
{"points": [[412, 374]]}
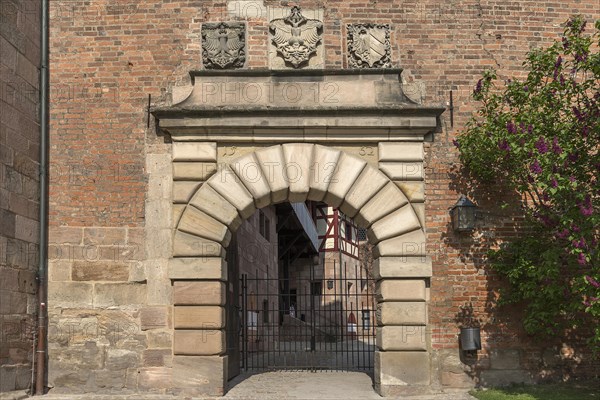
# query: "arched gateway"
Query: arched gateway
{"points": [[246, 140]]}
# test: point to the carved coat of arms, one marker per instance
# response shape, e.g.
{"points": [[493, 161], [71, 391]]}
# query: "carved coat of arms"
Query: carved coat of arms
{"points": [[223, 45], [296, 37], [369, 46]]}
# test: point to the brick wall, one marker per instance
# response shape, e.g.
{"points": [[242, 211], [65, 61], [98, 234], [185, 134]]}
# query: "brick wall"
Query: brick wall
{"points": [[19, 188], [108, 56]]}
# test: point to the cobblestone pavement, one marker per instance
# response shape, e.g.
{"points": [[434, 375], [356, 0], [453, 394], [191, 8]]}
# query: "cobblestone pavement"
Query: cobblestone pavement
{"points": [[284, 385]]}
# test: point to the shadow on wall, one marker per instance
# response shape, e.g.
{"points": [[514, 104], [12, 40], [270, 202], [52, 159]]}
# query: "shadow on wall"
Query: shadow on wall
{"points": [[509, 354]]}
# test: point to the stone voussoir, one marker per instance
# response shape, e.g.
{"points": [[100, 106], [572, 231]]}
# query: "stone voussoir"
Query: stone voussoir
{"points": [[386, 201], [298, 161], [367, 185], [198, 223], [399, 222], [228, 185], [272, 162], [325, 161], [206, 199], [250, 172], [347, 171], [187, 245], [409, 244]]}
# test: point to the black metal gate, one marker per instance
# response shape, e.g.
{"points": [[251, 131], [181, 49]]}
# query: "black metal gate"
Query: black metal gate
{"points": [[310, 320]]}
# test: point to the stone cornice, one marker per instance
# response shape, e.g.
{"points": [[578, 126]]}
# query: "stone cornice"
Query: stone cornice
{"points": [[304, 105]]}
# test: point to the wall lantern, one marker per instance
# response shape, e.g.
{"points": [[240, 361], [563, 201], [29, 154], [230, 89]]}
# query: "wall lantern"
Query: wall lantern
{"points": [[329, 284], [470, 341], [463, 215]]}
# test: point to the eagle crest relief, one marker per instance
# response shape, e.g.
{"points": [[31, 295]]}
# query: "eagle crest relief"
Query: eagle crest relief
{"points": [[296, 37], [369, 46], [223, 45]]}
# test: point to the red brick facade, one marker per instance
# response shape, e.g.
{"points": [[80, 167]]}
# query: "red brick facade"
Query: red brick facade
{"points": [[107, 57]]}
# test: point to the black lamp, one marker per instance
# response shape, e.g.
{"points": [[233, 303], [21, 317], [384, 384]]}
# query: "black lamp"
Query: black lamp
{"points": [[463, 215], [470, 341]]}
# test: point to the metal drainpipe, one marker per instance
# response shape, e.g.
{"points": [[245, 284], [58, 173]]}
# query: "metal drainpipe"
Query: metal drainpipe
{"points": [[40, 384]]}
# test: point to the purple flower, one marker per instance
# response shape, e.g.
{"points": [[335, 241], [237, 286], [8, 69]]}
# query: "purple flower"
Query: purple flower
{"points": [[592, 281], [545, 196], [579, 57], [455, 143], [573, 157], [562, 80], [557, 65], [535, 167], [575, 228], [579, 244], [541, 145], [553, 183], [526, 88], [503, 145], [565, 43], [478, 87], [511, 128], [563, 234], [586, 207], [585, 131], [581, 259], [530, 129], [571, 178], [555, 146]]}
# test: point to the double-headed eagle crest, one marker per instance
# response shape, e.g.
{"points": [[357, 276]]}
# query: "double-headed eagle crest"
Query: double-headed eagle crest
{"points": [[223, 45], [296, 37], [369, 46]]}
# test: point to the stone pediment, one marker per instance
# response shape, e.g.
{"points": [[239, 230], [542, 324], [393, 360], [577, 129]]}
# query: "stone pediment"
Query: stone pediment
{"points": [[309, 105]]}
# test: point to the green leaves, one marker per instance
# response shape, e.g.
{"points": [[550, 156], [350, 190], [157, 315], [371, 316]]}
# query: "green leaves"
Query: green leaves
{"points": [[540, 138]]}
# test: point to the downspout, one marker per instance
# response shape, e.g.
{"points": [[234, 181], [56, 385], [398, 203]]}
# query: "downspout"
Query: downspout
{"points": [[40, 383]]}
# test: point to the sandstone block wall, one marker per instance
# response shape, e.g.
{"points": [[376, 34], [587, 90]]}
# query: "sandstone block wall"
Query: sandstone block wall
{"points": [[19, 188]]}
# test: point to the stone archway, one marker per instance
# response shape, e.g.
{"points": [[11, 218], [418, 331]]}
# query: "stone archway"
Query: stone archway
{"points": [[297, 172], [363, 154]]}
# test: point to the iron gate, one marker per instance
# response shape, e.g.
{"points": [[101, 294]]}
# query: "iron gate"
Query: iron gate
{"points": [[308, 320]]}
